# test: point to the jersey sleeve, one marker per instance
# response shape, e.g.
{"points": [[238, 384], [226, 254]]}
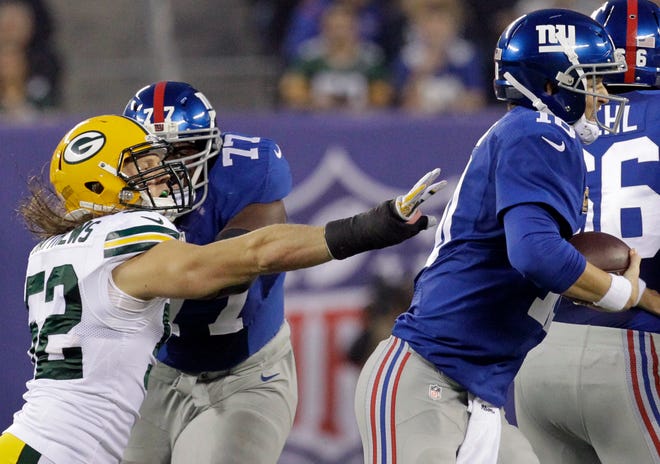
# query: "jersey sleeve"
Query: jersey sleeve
{"points": [[121, 237], [131, 233], [250, 170], [541, 163], [277, 182]]}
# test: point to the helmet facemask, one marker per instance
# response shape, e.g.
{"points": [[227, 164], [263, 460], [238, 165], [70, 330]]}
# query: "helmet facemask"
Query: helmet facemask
{"points": [[585, 79], [176, 199], [582, 79], [179, 114], [195, 148]]}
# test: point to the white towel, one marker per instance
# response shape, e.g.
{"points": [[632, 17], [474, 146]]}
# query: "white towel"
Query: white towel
{"points": [[482, 439]]}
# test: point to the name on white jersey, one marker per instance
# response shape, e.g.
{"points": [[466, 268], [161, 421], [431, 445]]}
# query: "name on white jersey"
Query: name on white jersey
{"points": [[78, 235]]}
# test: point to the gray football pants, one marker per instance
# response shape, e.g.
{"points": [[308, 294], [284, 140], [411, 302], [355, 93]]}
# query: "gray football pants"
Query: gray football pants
{"points": [[589, 395], [428, 415], [240, 416]]}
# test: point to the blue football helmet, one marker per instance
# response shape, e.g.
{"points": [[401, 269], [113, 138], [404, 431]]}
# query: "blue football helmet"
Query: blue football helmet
{"points": [[562, 48], [183, 116], [634, 26]]}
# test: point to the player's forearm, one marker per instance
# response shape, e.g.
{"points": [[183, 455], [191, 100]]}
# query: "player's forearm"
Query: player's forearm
{"points": [[592, 284], [268, 250], [650, 301], [611, 292], [252, 217], [285, 247]]}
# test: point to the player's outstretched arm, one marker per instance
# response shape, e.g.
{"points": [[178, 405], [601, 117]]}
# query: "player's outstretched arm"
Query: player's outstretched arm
{"points": [[179, 270], [251, 217]]}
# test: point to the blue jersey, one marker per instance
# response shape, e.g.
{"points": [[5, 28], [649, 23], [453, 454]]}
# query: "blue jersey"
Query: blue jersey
{"points": [[212, 335], [473, 315], [624, 188]]}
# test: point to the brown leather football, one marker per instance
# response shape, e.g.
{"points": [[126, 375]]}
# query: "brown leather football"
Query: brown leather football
{"points": [[604, 251]]}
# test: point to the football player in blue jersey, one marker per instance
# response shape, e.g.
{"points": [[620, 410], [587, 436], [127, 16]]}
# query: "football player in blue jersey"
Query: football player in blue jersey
{"points": [[225, 388], [98, 285], [228, 367], [589, 393], [434, 390]]}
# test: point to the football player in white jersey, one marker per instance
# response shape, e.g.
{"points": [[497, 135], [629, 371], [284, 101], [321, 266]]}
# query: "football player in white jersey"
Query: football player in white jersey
{"points": [[434, 390], [97, 286], [589, 393]]}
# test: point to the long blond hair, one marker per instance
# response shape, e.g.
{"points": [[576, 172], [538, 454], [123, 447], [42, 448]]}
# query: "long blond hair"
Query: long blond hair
{"points": [[43, 210]]}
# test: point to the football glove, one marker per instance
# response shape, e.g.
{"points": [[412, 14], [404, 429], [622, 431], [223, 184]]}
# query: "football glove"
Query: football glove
{"points": [[384, 225], [407, 205]]}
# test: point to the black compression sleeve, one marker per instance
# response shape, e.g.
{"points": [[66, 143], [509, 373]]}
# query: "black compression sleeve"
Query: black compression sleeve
{"points": [[379, 227]]}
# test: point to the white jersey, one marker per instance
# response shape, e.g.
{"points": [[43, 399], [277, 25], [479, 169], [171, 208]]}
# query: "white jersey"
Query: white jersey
{"points": [[90, 353]]}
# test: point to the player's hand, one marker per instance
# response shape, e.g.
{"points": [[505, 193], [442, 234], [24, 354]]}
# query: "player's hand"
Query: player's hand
{"points": [[632, 274], [407, 206]]}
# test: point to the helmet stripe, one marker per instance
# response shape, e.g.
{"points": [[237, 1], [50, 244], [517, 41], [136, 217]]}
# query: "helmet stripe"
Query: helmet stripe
{"points": [[631, 41], [159, 102]]}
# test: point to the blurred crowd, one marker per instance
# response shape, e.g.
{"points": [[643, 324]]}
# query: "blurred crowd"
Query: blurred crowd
{"points": [[419, 56], [29, 65]]}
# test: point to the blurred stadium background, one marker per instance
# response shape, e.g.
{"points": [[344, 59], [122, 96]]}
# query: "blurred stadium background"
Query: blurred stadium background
{"points": [[110, 49]]}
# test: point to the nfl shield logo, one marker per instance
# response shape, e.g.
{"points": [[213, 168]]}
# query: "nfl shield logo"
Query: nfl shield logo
{"points": [[435, 392]]}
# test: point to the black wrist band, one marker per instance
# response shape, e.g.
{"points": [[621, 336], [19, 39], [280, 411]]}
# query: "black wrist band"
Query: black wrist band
{"points": [[379, 227]]}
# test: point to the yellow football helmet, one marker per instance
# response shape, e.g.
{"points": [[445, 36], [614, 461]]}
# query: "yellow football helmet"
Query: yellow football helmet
{"points": [[86, 169]]}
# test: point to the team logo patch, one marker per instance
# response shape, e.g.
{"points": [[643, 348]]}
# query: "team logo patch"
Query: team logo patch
{"points": [[83, 147], [560, 147], [266, 378], [553, 37], [435, 392]]}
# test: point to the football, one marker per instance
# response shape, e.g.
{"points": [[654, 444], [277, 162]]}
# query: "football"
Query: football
{"points": [[604, 251]]}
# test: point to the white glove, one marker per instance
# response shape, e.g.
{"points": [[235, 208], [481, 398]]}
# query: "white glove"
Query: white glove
{"points": [[407, 205]]}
